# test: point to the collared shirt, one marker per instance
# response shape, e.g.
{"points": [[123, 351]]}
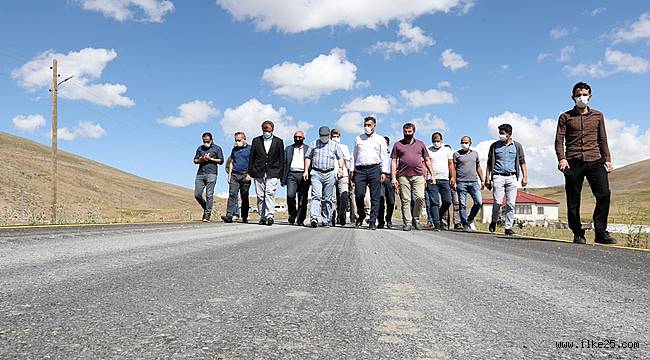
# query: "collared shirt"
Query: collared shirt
{"points": [[410, 156], [440, 161], [208, 167], [267, 144], [370, 150], [387, 165], [581, 136], [298, 159], [324, 155], [240, 157], [504, 157], [465, 162], [347, 160]]}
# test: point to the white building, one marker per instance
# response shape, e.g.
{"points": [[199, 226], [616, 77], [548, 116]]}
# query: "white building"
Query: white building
{"points": [[529, 208]]}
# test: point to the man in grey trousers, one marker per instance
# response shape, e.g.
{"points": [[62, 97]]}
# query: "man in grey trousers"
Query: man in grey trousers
{"points": [[208, 156]]}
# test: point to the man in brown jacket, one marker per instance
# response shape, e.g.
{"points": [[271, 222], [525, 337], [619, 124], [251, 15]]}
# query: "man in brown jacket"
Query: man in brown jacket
{"points": [[582, 152]]}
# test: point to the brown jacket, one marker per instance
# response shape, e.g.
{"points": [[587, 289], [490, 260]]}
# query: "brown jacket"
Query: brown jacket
{"points": [[581, 136]]}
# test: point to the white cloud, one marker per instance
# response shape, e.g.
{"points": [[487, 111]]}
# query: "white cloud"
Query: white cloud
{"points": [[248, 117], [29, 123], [597, 11], [413, 40], [627, 143], [86, 65], [544, 56], [505, 67], [452, 60], [321, 76], [85, 129], [190, 113], [444, 84], [615, 62], [138, 10], [301, 15], [560, 32], [375, 104], [566, 52], [639, 30], [351, 123], [418, 98], [427, 124]]}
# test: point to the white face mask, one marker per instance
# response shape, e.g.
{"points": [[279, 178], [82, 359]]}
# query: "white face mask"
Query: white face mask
{"points": [[206, 145], [267, 135], [503, 138], [368, 130], [239, 143], [324, 139], [581, 101], [338, 140], [437, 145], [465, 146]]}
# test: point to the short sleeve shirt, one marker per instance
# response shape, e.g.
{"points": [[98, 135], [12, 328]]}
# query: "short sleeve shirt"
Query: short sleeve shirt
{"points": [[208, 168], [440, 161], [410, 157], [465, 162]]}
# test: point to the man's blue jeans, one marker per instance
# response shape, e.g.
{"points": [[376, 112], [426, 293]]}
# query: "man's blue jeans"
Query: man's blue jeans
{"points": [[474, 190]]}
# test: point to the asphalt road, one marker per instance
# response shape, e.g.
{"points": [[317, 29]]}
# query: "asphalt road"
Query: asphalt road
{"points": [[250, 291]]}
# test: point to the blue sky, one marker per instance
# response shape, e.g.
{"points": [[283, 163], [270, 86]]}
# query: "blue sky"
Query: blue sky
{"points": [[458, 66]]}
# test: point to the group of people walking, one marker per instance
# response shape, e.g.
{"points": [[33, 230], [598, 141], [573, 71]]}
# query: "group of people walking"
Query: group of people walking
{"points": [[366, 181]]}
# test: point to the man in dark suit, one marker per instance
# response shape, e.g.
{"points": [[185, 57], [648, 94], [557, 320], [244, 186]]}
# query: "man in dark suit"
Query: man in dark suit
{"points": [[292, 178], [265, 167]]}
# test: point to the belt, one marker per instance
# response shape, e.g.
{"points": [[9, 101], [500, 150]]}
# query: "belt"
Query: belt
{"points": [[298, 171], [366, 166], [322, 171], [506, 174]]}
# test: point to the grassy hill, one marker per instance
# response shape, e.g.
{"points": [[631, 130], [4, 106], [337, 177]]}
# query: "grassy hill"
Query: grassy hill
{"points": [[89, 192], [630, 195]]}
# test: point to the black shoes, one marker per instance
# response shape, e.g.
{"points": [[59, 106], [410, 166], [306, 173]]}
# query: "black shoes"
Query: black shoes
{"points": [[416, 225], [226, 218], [389, 225], [292, 221], [313, 223], [269, 221], [437, 227], [359, 222], [262, 222], [458, 226], [381, 225], [579, 239], [605, 238], [206, 218], [406, 227], [509, 232], [372, 226], [493, 227], [244, 221]]}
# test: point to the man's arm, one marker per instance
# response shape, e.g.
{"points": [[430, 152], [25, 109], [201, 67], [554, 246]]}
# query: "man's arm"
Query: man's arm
{"points": [[479, 171], [560, 135], [603, 145], [488, 169], [427, 163], [524, 173], [251, 159], [305, 173], [393, 173]]}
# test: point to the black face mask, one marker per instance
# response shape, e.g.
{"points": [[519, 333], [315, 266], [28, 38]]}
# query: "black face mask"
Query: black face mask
{"points": [[408, 137], [298, 142]]}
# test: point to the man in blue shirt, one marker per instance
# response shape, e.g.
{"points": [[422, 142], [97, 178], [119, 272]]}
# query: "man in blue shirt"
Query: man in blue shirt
{"points": [[239, 181], [505, 159], [208, 156], [321, 160]]}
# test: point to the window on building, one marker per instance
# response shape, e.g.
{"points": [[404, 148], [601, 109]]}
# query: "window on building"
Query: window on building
{"points": [[524, 209], [540, 210]]}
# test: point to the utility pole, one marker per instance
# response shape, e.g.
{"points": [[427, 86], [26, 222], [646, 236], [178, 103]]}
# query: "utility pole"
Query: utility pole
{"points": [[55, 133]]}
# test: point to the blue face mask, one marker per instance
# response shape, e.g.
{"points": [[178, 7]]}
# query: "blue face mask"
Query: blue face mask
{"points": [[267, 135]]}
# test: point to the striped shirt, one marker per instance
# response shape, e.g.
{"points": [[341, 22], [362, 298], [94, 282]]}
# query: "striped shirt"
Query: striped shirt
{"points": [[324, 156]]}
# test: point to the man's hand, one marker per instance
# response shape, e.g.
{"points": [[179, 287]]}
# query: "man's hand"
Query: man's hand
{"points": [[563, 165], [305, 175], [488, 184], [382, 177], [431, 181], [228, 179], [248, 177], [452, 183], [395, 184], [352, 177], [339, 173], [524, 181], [482, 185], [608, 166]]}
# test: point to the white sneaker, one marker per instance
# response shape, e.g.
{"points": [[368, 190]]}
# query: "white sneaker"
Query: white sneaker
{"points": [[472, 226]]}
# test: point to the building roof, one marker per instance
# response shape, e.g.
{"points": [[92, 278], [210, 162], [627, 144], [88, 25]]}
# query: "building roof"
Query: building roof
{"points": [[526, 198]]}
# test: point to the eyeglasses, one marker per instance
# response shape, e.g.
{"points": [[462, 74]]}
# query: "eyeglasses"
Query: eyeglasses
{"points": [[298, 138]]}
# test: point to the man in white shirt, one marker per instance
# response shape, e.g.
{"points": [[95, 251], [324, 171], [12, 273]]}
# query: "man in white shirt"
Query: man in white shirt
{"points": [[343, 182], [387, 194], [442, 160], [292, 178], [370, 150]]}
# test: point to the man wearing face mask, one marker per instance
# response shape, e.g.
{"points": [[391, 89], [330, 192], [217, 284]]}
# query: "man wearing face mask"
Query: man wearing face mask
{"points": [[265, 167], [369, 152], [321, 160], [444, 173], [238, 180], [469, 180], [408, 157], [292, 178], [342, 185], [208, 156], [582, 151], [505, 159]]}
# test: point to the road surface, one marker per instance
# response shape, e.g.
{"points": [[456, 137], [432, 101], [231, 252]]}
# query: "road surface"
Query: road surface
{"points": [[234, 291]]}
